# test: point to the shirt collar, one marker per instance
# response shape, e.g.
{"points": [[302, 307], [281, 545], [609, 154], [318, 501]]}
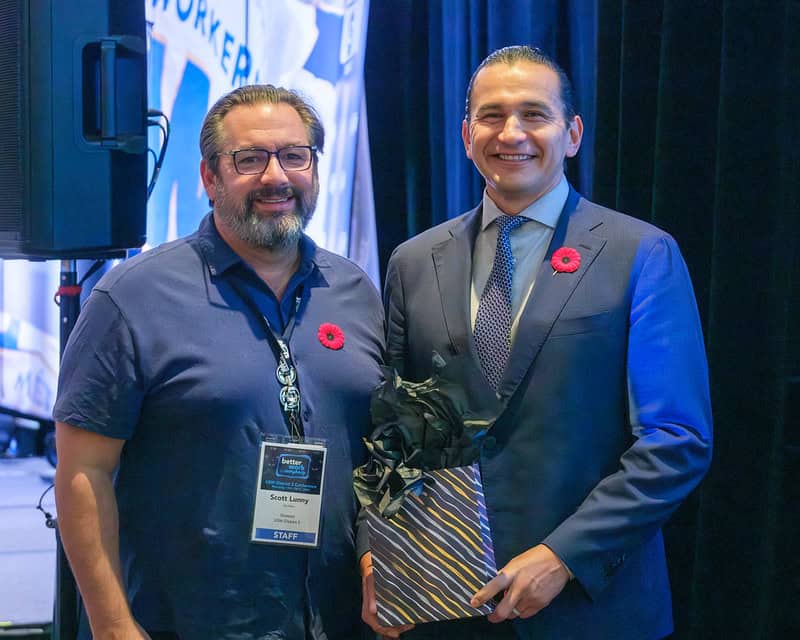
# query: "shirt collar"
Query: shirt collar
{"points": [[546, 210], [220, 257]]}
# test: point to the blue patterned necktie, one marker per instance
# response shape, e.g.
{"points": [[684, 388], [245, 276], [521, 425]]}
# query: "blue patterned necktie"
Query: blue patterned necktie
{"points": [[493, 320]]}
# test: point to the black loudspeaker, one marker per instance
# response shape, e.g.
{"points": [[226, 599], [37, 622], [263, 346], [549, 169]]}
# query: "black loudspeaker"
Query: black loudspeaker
{"points": [[73, 128]]}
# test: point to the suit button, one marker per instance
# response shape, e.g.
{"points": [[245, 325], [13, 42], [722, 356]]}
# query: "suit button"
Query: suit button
{"points": [[489, 444]]}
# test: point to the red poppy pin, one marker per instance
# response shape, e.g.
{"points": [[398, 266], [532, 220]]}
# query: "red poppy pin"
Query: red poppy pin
{"points": [[331, 336], [565, 260]]}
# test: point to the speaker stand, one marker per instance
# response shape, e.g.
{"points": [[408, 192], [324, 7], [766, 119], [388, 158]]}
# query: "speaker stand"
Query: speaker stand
{"points": [[65, 607]]}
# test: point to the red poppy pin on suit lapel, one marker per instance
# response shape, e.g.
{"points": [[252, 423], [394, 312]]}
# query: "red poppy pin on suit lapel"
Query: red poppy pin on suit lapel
{"points": [[565, 260]]}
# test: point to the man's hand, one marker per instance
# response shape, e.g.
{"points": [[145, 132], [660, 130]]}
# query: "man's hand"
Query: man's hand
{"points": [[369, 609], [530, 581]]}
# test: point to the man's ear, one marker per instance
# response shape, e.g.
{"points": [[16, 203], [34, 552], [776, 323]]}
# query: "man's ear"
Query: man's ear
{"points": [[575, 132], [465, 136], [209, 179]]}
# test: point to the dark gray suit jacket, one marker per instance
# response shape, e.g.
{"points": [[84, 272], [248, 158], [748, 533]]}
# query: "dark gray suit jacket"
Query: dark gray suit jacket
{"points": [[607, 426]]}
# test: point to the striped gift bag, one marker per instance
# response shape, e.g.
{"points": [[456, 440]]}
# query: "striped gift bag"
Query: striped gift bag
{"points": [[435, 553]]}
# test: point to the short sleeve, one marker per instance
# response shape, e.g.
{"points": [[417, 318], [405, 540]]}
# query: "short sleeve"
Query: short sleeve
{"points": [[99, 388]]}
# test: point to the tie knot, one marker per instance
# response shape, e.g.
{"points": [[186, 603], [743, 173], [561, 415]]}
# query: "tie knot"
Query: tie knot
{"points": [[506, 224]]}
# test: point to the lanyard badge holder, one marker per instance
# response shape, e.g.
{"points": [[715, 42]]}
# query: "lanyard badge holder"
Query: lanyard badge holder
{"points": [[289, 493], [291, 470]]}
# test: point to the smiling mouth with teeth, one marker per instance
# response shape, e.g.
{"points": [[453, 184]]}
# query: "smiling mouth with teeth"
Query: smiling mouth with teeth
{"points": [[272, 197], [273, 200], [514, 156]]}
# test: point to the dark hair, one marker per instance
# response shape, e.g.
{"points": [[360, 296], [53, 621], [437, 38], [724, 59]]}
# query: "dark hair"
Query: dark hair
{"points": [[253, 94], [524, 53]]}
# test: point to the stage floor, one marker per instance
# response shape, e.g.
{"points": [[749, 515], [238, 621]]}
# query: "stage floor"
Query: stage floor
{"points": [[27, 546]]}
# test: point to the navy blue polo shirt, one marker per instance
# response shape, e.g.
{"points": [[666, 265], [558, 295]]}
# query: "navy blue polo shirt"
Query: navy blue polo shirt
{"points": [[168, 356]]}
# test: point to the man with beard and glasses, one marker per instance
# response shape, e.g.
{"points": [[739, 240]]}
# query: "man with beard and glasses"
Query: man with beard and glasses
{"points": [[211, 404]]}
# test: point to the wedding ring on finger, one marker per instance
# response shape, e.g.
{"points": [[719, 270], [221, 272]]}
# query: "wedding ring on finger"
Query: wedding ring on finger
{"points": [[516, 612]]}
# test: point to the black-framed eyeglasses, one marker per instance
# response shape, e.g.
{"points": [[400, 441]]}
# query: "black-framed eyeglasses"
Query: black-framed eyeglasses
{"points": [[254, 161]]}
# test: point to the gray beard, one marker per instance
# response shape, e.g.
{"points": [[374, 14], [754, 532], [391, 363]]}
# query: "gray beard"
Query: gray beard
{"points": [[267, 232]]}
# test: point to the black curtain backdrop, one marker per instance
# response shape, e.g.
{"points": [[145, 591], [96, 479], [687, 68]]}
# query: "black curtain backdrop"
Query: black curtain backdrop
{"points": [[692, 110]]}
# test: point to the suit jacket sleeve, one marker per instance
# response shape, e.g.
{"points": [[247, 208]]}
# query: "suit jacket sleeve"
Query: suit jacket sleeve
{"points": [[670, 423], [394, 307]]}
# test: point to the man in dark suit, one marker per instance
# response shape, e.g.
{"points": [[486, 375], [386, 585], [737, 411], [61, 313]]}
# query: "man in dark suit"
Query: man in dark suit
{"points": [[584, 322]]}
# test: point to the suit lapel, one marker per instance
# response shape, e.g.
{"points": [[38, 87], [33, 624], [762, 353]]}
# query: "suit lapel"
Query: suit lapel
{"points": [[551, 292], [452, 260]]}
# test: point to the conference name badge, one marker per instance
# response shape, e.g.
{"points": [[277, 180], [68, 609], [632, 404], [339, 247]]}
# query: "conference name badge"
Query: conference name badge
{"points": [[289, 494]]}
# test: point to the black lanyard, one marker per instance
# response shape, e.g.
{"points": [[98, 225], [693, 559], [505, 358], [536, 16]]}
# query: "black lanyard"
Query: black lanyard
{"points": [[286, 373]]}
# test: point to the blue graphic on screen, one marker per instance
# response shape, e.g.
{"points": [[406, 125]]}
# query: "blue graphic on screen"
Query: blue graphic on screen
{"points": [[182, 162], [321, 63]]}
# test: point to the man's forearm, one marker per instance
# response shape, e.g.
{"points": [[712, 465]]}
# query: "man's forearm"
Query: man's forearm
{"points": [[88, 523]]}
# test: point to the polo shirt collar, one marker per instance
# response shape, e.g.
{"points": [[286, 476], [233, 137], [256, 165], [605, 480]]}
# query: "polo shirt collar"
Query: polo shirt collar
{"points": [[220, 257]]}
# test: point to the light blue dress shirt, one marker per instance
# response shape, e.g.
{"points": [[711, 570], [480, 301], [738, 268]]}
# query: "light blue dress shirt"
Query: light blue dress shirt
{"points": [[529, 243]]}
